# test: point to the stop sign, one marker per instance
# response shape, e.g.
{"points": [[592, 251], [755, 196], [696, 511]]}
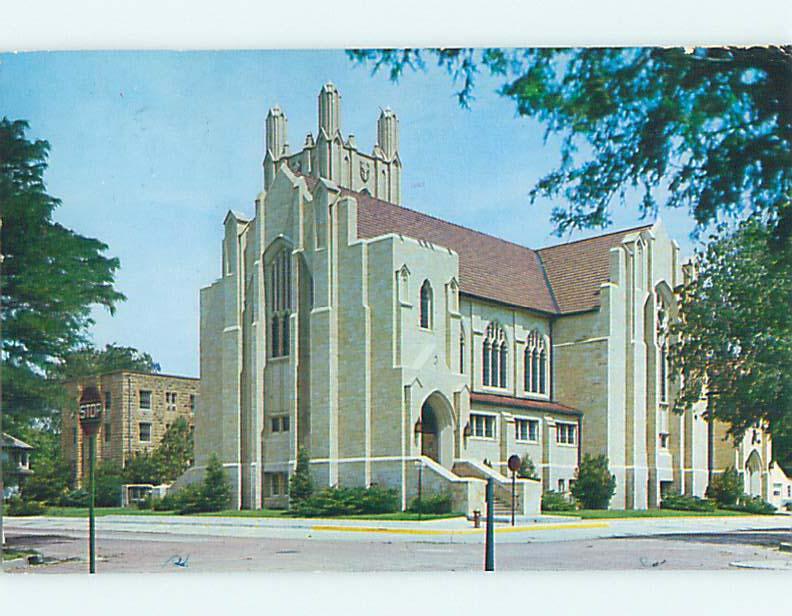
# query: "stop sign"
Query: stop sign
{"points": [[91, 408]]}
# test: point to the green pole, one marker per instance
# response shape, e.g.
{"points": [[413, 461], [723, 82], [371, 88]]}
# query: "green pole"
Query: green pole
{"points": [[91, 521], [489, 539]]}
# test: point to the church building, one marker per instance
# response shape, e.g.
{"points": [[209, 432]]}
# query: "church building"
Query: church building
{"points": [[388, 343]]}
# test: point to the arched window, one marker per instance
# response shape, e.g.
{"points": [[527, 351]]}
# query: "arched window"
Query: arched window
{"points": [[462, 352], [426, 305], [485, 362], [279, 295], [495, 357], [535, 365], [662, 347], [503, 358]]}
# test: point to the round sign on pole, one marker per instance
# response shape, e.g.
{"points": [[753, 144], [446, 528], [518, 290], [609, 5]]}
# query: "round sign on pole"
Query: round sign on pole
{"points": [[514, 463]]}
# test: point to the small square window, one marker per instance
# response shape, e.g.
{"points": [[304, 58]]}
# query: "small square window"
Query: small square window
{"points": [[145, 432], [285, 423], [170, 400], [275, 424]]}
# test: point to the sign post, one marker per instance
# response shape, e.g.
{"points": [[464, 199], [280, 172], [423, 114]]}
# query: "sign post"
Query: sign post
{"points": [[90, 420], [514, 466], [489, 539]]}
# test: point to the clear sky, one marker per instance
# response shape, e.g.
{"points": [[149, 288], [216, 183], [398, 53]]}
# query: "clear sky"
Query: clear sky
{"points": [[150, 150]]}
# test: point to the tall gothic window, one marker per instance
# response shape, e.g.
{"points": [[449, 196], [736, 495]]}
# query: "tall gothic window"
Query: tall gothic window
{"points": [[426, 305], [462, 352], [279, 279], [495, 357], [535, 364], [662, 344]]}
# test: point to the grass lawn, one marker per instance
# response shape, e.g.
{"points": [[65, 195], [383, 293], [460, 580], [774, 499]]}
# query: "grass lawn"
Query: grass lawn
{"points": [[598, 514], [9, 554], [82, 512]]}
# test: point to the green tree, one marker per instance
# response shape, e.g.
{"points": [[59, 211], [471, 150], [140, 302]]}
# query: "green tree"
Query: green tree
{"points": [[301, 484], [734, 335], [108, 479], [726, 488], [594, 485], [88, 360], [216, 489], [52, 474], [51, 277], [527, 468], [708, 129], [175, 452], [142, 467]]}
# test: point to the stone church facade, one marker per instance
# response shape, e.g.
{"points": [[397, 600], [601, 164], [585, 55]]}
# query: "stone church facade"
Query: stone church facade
{"points": [[389, 343]]}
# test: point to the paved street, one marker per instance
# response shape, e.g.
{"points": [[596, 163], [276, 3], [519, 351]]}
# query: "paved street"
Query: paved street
{"points": [[181, 544]]}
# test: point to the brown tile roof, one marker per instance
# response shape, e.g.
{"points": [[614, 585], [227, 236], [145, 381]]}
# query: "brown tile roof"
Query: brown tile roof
{"points": [[577, 269], [489, 267], [522, 403], [558, 280]]}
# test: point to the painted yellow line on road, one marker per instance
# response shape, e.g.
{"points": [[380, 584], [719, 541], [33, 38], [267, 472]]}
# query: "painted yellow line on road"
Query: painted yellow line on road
{"points": [[467, 531]]}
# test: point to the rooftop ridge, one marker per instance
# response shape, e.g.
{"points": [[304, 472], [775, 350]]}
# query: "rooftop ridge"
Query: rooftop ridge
{"points": [[443, 220], [595, 237], [351, 192]]}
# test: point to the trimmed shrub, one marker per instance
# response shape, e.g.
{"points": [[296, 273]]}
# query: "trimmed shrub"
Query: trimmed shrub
{"points": [[555, 501], [726, 488], [216, 489], [212, 494], [347, 501], [301, 484], [683, 502], [594, 485], [18, 507], [754, 505], [75, 498], [434, 503]]}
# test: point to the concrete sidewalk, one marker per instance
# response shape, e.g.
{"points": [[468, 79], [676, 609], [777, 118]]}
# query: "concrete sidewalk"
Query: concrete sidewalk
{"points": [[527, 530]]}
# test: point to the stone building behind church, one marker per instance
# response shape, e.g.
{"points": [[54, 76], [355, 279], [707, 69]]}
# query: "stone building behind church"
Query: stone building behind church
{"points": [[388, 342]]}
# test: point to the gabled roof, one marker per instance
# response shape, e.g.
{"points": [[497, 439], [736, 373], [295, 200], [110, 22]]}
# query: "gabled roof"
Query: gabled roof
{"points": [[559, 279], [11, 442], [489, 267], [577, 269]]}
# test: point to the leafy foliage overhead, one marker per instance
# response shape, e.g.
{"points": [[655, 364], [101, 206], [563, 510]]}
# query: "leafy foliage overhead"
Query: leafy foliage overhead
{"points": [[51, 276], [89, 360], [711, 128], [734, 336]]}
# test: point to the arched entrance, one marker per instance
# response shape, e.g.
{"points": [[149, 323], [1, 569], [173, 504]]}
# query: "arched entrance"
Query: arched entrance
{"points": [[437, 430], [753, 471]]}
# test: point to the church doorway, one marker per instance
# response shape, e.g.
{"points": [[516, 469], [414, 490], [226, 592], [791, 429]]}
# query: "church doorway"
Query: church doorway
{"points": [[430, 442], [753, 469], [437, 430]]}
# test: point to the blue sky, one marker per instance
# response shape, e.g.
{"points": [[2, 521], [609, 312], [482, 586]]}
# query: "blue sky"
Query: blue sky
{"points": [[150, 149]]}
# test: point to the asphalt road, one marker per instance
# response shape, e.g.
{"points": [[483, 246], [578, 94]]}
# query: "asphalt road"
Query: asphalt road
{"points": [[150, 545]]}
